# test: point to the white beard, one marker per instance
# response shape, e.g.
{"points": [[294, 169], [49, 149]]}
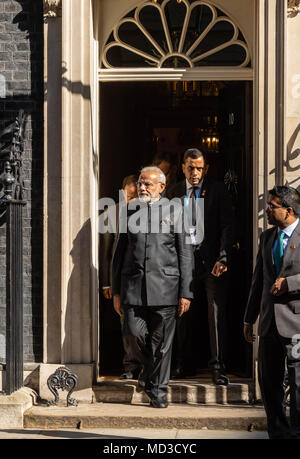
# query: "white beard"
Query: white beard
{"points": [[144, 198]]}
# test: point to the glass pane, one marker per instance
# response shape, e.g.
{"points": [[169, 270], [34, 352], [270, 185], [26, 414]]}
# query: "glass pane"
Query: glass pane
{"points": [[232, 55], [121, 57], [176, 62], [130, 34], [151, 20], [200, 18], [221, 33], [111, 38], [130, 14], [219, 12], [175, 15]]}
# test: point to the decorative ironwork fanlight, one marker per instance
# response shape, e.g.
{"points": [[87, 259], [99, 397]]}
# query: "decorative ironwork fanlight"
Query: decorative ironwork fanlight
{"points": [[175, 34]]}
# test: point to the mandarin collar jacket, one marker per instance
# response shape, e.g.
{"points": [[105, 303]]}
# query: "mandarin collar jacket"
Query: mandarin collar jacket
{"points": [[153, 266]]}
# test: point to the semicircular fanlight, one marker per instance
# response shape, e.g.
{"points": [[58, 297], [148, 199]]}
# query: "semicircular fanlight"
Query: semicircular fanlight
{"points": [[191, 33]]}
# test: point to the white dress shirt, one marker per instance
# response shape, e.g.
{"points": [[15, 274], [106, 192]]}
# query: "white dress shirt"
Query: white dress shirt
{"points": [[288, 234]]}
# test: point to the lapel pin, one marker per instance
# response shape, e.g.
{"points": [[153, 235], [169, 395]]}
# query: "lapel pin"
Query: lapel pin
{"points": [[293, 247], [203, 193]]}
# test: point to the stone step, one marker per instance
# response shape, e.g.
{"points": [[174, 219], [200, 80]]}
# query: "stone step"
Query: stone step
{"points": [[179, 391], [122, 416]]}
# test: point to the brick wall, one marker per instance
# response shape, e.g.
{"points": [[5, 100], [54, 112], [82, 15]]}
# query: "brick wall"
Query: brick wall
{"points": [[21, 70]]}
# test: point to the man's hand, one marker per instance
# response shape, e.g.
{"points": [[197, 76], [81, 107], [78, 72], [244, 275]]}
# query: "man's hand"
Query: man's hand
{"points": [[107, 293], [183, 306], [279, 287], [248, 333], [117, 305], [219, 269]]}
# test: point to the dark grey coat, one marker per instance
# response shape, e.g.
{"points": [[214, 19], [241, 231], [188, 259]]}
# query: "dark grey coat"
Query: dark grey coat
{"points": [[153, 268], [286, 307]]}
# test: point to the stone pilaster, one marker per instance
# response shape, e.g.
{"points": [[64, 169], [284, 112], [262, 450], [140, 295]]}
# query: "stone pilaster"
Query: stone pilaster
{"points": [[71, 298]]}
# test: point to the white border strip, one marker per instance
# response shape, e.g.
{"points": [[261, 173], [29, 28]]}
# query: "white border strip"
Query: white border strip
{"points": [[159, 74]]}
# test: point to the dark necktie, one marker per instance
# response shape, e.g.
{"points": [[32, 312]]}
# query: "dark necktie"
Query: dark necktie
{"points": [[194, 205]]}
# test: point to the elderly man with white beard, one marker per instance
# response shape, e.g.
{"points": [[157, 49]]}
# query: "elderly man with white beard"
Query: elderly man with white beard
{"points": [[152, 280]]}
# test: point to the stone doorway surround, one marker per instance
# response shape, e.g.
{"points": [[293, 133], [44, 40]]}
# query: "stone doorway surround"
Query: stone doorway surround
{"points": [[265, 36], [72, 44]]}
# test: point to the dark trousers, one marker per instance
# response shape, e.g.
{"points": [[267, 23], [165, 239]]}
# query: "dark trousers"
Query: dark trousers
{"points": [[130, 363], [217, 294], [274, 354], [150, 332], [216, 291]]}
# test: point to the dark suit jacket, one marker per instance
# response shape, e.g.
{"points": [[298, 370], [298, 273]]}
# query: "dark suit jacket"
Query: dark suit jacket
{"points": [[218, 222], [153, 268], [107, 245], [287, 307]]}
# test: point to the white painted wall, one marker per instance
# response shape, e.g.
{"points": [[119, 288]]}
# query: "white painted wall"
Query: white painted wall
{"points": [[292, 166]]}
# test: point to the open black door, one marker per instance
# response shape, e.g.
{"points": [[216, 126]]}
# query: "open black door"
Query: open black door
{"points": [[237, 153]]}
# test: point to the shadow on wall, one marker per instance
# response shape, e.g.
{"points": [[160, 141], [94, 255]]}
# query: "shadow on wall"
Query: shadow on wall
{"points": [[77, 87], [78, 341], [293, 156], [292, 164], [56, 66]]}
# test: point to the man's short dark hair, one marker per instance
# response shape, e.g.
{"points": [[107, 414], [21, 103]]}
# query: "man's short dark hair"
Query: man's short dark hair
{"points": [[288, 197], [129, 180], [194, 153]]}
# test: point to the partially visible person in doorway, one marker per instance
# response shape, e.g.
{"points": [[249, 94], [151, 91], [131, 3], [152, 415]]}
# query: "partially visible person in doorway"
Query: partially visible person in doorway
{"points": [[108, 241], [167, 163], [275, 298], [212, 261]]}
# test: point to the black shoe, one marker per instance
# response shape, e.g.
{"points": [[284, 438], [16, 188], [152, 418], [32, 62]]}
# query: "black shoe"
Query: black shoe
{"points": [[219, 379], [158, 403]]}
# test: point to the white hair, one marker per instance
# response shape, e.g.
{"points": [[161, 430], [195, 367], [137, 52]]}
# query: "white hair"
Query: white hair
{"points": [[157, 170]]}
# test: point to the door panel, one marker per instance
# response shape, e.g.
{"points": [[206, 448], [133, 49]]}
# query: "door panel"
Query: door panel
{"points": [[236, 150]]}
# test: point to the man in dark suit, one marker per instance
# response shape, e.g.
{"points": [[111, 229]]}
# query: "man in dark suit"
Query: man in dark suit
{"points": [[212, 259], [275, 296], [152, 280], [132, 367]]}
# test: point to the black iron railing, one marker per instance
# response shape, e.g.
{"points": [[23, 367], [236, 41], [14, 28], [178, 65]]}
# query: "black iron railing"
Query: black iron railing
{"points": [[11, 204]]}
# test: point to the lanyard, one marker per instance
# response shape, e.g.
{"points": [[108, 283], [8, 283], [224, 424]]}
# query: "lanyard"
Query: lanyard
{"points": [[186, 198], [188, 209]]}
